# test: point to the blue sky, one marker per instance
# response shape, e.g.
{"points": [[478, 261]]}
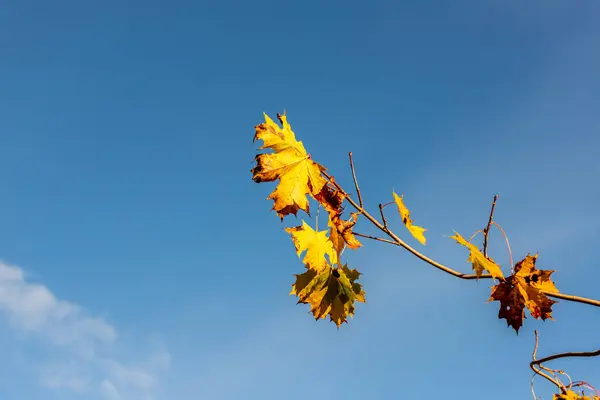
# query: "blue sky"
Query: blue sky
{"points": [[140, 261]]}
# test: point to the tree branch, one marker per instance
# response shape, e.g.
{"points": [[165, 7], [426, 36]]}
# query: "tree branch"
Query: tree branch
{"points": [[539, 362], [536, 362], [399, 242]]}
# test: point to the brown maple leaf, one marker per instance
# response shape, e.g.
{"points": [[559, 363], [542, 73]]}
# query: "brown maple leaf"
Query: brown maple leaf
{"points": [[341, 230], [525, 289]]}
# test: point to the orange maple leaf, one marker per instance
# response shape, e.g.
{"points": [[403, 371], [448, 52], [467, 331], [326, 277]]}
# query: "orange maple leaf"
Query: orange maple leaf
{"points": [[525, 289], [331, 291], [290, 163]]}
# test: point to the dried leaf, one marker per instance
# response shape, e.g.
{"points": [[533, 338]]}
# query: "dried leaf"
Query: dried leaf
{"points": [[524, 289], [331, 199], [331, 291], [416, 231], [341, 230], [478, 260], [298, 175], [316, 244]]}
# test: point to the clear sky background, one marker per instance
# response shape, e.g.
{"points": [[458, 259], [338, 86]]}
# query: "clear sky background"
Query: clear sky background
{"points": [[142, 262]]}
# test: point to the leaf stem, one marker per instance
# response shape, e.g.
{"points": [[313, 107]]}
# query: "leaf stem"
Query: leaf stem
{"points": [[486, 231]]}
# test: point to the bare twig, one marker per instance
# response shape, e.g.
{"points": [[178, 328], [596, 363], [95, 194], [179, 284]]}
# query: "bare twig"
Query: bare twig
{"points": [[360, 200], [376, 238], [382, 216], [399, 242], [539, 363], [569, 354], [536, 362], [486, 231]]}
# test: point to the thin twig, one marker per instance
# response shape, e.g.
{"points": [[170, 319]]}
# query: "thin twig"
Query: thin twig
{"points": [[382, 216], [376, 238], [486, 231], [535, 362], [475, 234], [360, 200], [569, 354], [399, 242], [540, 361], [317, 217]]}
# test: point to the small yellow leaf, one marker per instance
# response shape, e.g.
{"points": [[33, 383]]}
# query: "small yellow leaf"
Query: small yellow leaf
{"points": [[316, 244], [478, 260], [416, 231]]}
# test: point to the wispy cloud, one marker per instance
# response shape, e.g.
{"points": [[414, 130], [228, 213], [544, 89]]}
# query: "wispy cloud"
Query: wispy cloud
{"points": [[74, 351]]}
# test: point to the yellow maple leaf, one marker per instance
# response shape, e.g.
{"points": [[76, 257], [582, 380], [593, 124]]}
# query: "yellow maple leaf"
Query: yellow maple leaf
{"points": [[525, 289], [331, 291], [571, 395], [316, 244], [479, 262], [290, 163], [416, 231]]}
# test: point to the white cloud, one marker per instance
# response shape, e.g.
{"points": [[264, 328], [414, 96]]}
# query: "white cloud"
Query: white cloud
{"points": [[109, 390], [74, 346]]}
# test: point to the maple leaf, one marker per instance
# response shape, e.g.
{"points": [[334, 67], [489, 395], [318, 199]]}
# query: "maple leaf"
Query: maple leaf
{"points": [[316, 244], [331, 199], [341, 230], [524, 289], [415, 230], [298, 175], [571, 395], [478, 260], [331, 291]]}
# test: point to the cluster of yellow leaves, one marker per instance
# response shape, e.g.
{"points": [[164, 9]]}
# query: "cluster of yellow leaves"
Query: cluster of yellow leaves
{"points": [[525, 288], [330, 288], [571, 395]]}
